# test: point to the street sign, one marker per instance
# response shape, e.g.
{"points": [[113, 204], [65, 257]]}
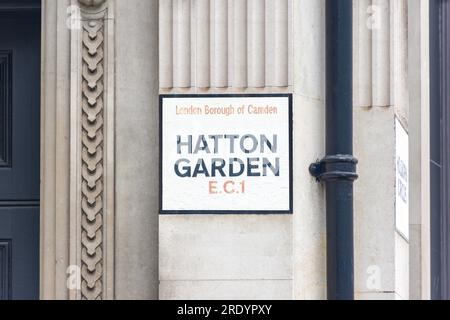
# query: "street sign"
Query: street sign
{"points": [[402, 180], [226, 154]]}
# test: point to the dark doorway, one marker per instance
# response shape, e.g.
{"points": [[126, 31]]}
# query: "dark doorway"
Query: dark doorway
{"points": [[440, 148], [20, 31]]}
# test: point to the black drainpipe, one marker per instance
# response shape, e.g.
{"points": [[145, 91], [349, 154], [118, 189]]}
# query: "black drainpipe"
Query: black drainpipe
{"points": [[338, 168]]}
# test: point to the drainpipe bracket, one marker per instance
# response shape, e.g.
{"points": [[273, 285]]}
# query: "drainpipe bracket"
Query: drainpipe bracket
{"points": [[334, 167]]}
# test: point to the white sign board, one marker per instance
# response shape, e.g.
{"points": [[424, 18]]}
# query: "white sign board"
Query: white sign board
{"points": [[226, 154], [402, 180]]}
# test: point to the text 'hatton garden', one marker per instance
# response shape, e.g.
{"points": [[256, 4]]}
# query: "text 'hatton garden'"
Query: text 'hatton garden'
{"points": [[248, 144]]}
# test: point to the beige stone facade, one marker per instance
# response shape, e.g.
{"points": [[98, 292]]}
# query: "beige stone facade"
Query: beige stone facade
{"points": [[104, 64]]}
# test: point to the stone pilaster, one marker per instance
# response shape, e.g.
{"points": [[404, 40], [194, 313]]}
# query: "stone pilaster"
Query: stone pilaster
{"points": [[92, 150]]}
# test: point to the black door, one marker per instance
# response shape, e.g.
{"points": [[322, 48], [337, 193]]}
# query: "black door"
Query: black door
{"points": [[19, 149]]}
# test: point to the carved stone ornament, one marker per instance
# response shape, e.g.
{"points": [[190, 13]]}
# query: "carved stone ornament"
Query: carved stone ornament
{"points": [[93, 153], [92, 197], [92, 3]]}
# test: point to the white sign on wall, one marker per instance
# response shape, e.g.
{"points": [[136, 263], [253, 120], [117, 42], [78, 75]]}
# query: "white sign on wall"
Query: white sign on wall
{"points": [[402, 180], [226, 153]]}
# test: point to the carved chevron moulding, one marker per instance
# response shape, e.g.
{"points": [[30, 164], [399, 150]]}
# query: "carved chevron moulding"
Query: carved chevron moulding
{"points": [[92, 164]]}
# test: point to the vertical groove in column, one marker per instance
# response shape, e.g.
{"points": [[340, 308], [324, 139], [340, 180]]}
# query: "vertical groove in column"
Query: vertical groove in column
{"points": [[166, 44], [399, 53], [394, 49], [405, 87], [219, 43], [62, 153], [269, 46], [404, 50], [381, 54], [240, 44], [182, 43], [230, 57], [276, 43], [193, 41], [48, 151], [256, 43], [290, 42], [202, 43], [364, 23], [281, 55]]}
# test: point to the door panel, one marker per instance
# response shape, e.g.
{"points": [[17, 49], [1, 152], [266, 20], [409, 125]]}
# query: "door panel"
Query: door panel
{"points": [[19, 260], [5, 269], [19, 151], [20, 65]]}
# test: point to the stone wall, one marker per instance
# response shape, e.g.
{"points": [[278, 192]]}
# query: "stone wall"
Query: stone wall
{"points": [[105, 63]]}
